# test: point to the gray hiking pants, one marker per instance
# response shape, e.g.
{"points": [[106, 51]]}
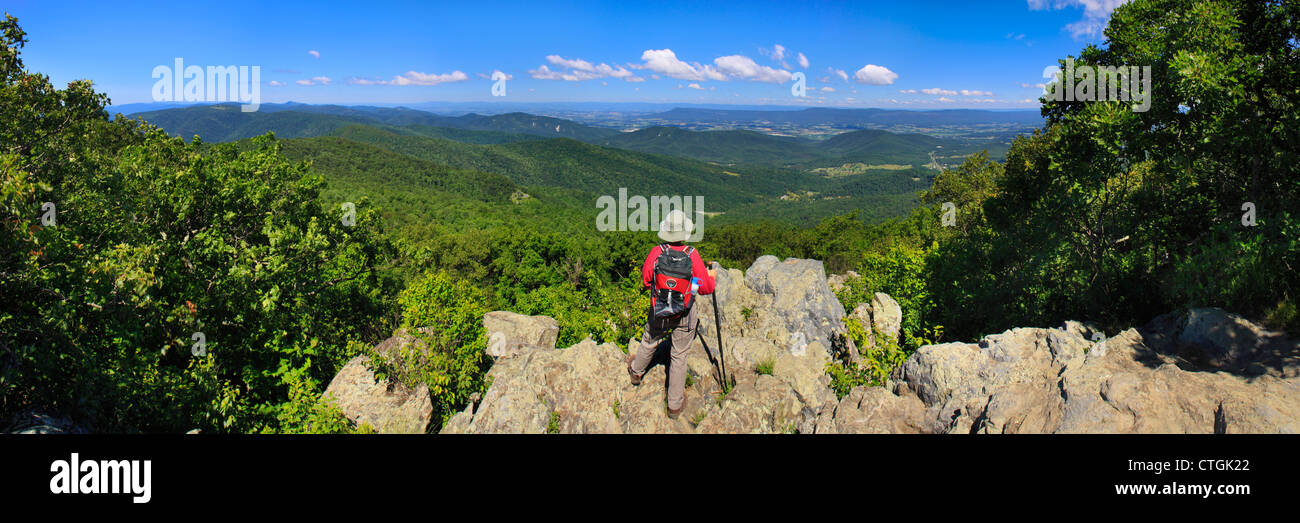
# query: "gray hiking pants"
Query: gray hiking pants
{"points": [[683, 333]]}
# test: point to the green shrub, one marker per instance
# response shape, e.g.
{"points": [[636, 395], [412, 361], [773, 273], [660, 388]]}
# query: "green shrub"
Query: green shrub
{"points": [[878, 361], [181, 286], [446, 314]]}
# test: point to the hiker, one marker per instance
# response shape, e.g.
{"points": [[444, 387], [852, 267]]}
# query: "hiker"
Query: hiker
{"points": [[674, 273]]}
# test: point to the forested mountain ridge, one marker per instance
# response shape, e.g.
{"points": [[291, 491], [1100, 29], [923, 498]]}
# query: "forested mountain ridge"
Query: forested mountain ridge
{"points": [[221, 123], [225, 122], [856, 117]]}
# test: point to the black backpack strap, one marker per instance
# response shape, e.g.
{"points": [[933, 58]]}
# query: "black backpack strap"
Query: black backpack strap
{"points": [[663, 247]]}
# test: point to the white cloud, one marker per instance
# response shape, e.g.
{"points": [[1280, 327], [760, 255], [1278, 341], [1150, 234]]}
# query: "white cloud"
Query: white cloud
{"points": [[274, 83], [907, 91], [936, 90], [495, 73], [838, 72], [828, 89], [776, 53], [545, 73], [743, 67], [418, 78], [1096, 14], [871, 74], [965, 92], [665, 62], [803, 61], [415, 78], [579, 70], [1033, 86], [695, 86], [579, 64], [314, 53], [315, 80]]}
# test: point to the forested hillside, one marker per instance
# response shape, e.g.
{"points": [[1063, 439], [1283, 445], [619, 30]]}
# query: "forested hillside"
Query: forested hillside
{"points": [[225, 122]]}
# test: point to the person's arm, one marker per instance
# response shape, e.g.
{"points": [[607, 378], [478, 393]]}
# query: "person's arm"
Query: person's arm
{"points": [[699, 270], [648, 268]]}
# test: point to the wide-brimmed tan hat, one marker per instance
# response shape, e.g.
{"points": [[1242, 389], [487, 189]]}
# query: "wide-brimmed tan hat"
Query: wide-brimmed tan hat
{"points": [[676, 227]]}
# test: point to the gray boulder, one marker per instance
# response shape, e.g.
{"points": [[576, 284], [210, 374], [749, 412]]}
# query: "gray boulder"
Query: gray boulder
{"points": [[36, 422], [800, 299], [387, 405], [1058, 380], [1214, 339], [509, 333]]}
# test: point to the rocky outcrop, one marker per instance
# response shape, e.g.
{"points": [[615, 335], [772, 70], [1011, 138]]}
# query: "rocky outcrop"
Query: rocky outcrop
{"points": [[797, 293], [387, 406], [781, 317], [37, 422], [837, 282], [509, 333], [1072, 379], [1203, 370], [881, 317]]}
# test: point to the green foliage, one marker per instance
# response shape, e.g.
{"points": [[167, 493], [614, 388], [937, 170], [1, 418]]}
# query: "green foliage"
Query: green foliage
{"points": [[903, 273], [181, 286], [553, 426], [879, 354], [309, 413], [765, 367], [1117, 216], [445, 314]]}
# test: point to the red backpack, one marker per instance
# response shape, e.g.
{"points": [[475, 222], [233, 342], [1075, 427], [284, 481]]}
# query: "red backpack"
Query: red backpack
{"points": [[671, 294]]}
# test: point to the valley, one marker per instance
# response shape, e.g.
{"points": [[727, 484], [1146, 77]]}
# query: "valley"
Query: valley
{"points": [[874, 172]]}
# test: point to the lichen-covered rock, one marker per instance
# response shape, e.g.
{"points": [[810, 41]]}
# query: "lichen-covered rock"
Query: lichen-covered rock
{"points": [[509, 333], [799, 299], [35, 422], [1058, 380], [874, 410], [389, 407], [1214, 339]]}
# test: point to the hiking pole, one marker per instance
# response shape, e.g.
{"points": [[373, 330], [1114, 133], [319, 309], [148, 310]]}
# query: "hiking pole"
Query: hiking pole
{"points": [[708, 351], [717, 321]]}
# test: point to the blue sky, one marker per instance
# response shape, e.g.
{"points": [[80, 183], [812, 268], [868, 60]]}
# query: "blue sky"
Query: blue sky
{"points": [[924, 54]]}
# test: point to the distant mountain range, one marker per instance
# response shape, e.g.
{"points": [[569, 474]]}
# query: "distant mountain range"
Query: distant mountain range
{"points": [[677, 113], [390, 151], [225, 122], [855, 117]]}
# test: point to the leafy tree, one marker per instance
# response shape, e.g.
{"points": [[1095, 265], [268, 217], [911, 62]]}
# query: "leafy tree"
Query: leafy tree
{"points": [[155, 285]]}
